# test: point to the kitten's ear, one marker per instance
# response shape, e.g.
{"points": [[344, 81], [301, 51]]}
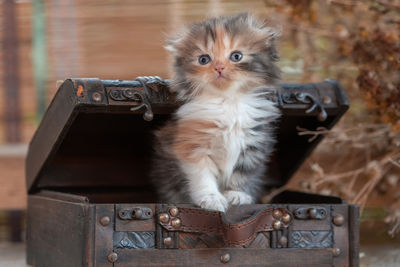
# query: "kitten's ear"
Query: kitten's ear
{"points": [[172, 44], [272, 34]]}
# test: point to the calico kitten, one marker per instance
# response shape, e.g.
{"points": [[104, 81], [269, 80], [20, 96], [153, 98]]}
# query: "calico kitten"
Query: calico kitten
{"points": [[213, 152]]}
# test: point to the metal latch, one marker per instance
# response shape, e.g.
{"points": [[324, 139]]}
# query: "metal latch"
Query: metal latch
{"points": [[136, 213], [314, 213]]}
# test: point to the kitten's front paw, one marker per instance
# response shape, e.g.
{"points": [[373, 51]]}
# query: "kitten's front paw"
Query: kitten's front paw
{"points": [[238, 198], [214, 202]]}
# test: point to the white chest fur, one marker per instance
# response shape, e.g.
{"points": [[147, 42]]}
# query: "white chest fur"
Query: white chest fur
{"points": [[236, 117]]}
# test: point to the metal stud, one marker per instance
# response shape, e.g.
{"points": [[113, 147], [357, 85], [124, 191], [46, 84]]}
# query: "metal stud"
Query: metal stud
{"points": [[174, 211], [96, 96], [148, 116], [124, 214], [286, 218], [335, 252], [277, 225], [338, 220], [225, 258], [167, 241], [112, 257], [326, 100], [176, 223], [104, 221], [164, 217], [277, 214], [283, 241]]}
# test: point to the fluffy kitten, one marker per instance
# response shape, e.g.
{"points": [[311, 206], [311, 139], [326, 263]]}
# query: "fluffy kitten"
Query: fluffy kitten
{"points": [[213, 152]]}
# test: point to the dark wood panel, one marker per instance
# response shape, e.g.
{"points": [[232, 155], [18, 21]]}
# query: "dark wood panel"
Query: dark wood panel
{"points": [[56, 232], [212, 257]]}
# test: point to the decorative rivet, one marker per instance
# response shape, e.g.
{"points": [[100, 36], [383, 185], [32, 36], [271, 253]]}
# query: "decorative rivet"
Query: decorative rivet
{"points": [[105, 220], [164, 217], [335, 252], [123, 214], [225, 258], [96, 96], [167, 241], [148, 116], [176, 223], [313, 213], [112, 257], [322, 116], [338, 220], [174, 211], [326, 100], [286, 218], [277, 214], [283, 241], [277, 225]]}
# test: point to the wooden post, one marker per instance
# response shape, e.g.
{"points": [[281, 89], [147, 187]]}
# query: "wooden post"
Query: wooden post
{"points": [[12, 113], [39, 55]]}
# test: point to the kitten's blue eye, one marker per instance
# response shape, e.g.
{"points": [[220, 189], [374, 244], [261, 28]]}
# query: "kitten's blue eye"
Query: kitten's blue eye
{"points": [[236, 56], [204, 59]]}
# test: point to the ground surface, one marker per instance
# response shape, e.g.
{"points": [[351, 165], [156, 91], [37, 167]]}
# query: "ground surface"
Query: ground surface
{"points": [[13, 255]]}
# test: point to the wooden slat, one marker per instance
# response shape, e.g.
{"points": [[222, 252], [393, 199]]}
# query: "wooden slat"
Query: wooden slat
{"points": [[103, 235], [354, 235], [212, 257], [341, 236], [12, 113]]}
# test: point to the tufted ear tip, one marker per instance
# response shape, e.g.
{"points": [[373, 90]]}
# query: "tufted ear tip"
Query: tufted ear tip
{"points": [[170, 48], [172, 44], [273, 32]]}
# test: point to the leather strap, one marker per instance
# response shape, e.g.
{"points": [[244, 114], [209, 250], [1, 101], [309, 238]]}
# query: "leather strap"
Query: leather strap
{"points": [[197, 220]]}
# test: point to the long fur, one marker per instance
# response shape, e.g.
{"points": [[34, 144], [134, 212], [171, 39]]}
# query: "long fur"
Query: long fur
{"points": [[214, 151]]}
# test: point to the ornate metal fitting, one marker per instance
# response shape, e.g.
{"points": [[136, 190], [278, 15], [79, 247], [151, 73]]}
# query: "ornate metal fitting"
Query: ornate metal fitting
{"points": [[306, 98], [163, 217], [315, 213], [312, 239], [141, 98], [338, 220], [176, 223], [167, 241], [277, 214], [225, 258], [112, 257], [286, 218], [104, 221], [277, 225], [136, 213], [174, 211]]}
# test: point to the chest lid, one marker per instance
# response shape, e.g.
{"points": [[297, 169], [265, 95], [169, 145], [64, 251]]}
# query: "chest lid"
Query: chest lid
{"points": [[97, 134]]}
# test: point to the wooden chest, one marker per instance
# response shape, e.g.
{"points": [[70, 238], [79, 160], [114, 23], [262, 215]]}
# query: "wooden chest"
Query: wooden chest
{"points": [[91, 202]]}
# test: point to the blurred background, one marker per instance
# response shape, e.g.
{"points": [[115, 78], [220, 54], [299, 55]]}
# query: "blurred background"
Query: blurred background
{"points": [[355, 42]]}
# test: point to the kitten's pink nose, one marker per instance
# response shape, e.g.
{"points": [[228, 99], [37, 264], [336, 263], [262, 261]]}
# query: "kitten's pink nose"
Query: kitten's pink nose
{"points": [[219, 68]]}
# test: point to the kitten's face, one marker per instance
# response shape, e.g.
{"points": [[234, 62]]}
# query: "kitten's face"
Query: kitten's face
{"points": [[227, 53]]}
